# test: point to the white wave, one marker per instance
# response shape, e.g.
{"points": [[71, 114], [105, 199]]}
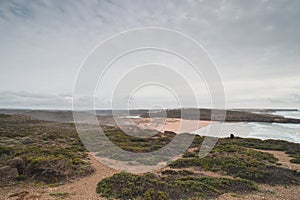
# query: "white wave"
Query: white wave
{"points": [[288, 132], [240, 129], [278, 131], [288, 114]]}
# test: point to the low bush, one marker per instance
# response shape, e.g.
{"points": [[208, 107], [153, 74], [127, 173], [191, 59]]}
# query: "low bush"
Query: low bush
{"points": [[128, 186], [41, 151], [235, 160], [293, 149]]}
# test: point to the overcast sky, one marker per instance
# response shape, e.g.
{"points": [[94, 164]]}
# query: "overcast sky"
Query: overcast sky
{"points": [[255, 45]]}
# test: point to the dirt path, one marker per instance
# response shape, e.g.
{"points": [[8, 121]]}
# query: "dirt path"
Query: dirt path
{"points": [[83, 188], [267, 192], [271, 192], [283, 159]]}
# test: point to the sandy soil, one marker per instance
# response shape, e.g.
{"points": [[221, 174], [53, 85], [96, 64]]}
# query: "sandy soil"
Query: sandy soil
{"points": [[272, 192], [268, 193], [85, 188], [283, 159], [80, 189], [170, 124]]}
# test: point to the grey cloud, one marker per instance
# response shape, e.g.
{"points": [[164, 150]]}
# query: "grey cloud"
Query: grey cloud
{"points": [[254, 44], [33, 100]]}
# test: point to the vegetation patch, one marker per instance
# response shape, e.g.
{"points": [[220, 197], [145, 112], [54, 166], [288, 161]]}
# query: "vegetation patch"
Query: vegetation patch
{"points": [[136, 144], [293, 149], [234, 158], [61, 195], [177, 172], [152, 187], [31, 149], [52, 152]]}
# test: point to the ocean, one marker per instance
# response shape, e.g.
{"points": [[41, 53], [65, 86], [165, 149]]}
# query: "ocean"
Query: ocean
{"points": [[278, 131]]}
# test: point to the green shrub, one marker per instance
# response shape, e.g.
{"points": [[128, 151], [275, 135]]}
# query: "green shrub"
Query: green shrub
{"points": [[49, 151], [293, 149], [173, 186], [231, 158], [179, 172], [60, 194]]}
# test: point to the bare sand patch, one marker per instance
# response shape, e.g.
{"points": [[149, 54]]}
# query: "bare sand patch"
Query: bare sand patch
{"points": [[85, 188], [283, 159], [171, 124], [266, 192], [271, 192], [82, 188]]}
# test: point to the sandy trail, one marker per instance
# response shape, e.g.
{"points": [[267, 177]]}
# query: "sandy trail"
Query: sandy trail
{"points": [[271, 192], [283, 159], [267, 192], [82, 188], [85, 188]]}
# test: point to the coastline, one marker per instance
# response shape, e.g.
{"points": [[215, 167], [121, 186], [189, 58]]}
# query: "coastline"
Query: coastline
{"points": [[171, 124]]}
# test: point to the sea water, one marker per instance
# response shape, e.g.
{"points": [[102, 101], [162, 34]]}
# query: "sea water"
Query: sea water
{"points": [[278, 131]]}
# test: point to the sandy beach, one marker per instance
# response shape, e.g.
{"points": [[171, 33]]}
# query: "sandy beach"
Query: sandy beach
{"points": [[171, 124]]}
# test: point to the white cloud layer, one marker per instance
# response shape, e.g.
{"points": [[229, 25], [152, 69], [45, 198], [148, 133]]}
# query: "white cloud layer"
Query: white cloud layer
{"points": [[255, 44]]}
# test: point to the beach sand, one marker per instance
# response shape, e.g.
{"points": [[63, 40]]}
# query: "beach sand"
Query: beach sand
{"points": [[170, 124]]}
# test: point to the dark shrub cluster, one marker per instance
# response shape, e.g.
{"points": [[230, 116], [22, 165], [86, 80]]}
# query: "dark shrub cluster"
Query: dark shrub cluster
{"points": [[128, 186], [31, 149], [293, 149], [231, 158]]}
